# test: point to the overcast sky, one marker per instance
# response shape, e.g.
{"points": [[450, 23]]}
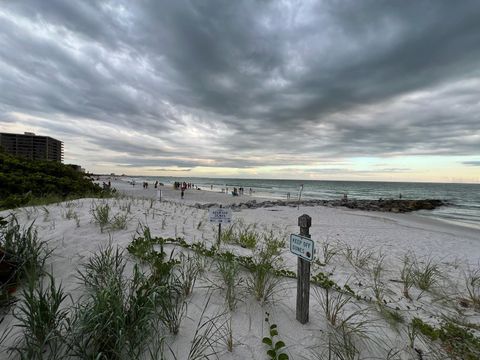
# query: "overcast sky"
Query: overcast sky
{"points": [[372, 90]]}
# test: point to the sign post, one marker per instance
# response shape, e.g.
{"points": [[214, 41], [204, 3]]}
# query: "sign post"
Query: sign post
{"points": [[220, 216], [303, 247]]}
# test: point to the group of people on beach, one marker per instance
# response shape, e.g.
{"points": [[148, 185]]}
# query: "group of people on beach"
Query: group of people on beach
{"points": [[183, 185], [239, 191], [107, 186]]}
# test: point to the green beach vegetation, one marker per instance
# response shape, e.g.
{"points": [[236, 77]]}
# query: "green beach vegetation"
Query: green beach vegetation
{"points": [[24, 182]]}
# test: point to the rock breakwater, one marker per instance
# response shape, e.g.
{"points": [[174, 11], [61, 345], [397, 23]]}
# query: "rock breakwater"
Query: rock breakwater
{"points": [[385, 205]]}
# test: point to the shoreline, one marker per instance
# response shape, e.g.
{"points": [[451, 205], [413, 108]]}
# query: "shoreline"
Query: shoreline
{"points": [[202, 198]]}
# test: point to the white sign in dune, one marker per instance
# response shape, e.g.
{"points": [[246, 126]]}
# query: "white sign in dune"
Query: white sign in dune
{"points": [[220, 215], [301, 246]]}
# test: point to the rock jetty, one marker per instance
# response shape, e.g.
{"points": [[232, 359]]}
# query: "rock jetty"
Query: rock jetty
{"points": [[385, 205]]}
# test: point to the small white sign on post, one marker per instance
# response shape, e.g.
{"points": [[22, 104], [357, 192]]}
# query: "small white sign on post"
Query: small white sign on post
{"points": [[302, 246], [220, 215]]}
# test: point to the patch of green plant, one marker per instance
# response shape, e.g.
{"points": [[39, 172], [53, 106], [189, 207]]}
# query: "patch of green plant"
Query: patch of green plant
{"points": [[425, 275], [117, 317], [26, 182], [172, 305], [427, 330], [43, 319], [229, 270], [247, 237], [187, 273], [323, 280], [119, 221], [240, 234], [276, 347], [228, 235], [392, 316], [472, 284], [101, 215], [210, 333], [103, 267], [23, 249], [458, 342], [263, 280]]}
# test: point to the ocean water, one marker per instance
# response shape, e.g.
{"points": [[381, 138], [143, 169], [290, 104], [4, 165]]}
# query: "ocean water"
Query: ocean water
{"points": [[463, 199]]}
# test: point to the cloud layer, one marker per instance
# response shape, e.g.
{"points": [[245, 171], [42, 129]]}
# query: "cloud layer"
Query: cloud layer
{"points": [[243, 84]]}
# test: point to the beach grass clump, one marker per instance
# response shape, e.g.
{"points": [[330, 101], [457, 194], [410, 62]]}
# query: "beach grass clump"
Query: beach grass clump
{"points": [[342, 344], [407, 276], [187, 272], [102, 215], [30, 212], [228, 235], [360, 257], [263, 281], [379, 287], [22, 249], [328, 252], [172, 307], [70, 214], [247, 236], [210, 334], [332, 303], [116, 318], [472, 285], [241, 234], [46, 213], [44, 319], [229, 270], [346, 318], [104, 267], [119, 221], [425, 274], [173, 285]]}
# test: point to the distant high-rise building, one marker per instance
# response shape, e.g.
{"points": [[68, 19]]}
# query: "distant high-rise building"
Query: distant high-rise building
{"points": [[31, 146]]}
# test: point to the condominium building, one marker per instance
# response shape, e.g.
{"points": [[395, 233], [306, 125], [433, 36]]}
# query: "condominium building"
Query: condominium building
{"points": [[31, 146]]}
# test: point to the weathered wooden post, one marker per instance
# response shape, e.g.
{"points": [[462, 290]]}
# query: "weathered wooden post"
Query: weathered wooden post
{"points": [[303, 274], [219, 232]]}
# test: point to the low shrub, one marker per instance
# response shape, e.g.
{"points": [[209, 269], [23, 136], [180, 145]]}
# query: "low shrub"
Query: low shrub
{"points": [[458, 342], [26, 182]]}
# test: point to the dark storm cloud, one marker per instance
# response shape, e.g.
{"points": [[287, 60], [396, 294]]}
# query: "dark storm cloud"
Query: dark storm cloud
{"points": [[246, 83], [472, 163]]}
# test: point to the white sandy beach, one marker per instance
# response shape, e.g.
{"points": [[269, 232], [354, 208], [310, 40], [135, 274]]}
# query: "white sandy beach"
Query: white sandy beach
{"points": [[191, 196], [392, 236]]}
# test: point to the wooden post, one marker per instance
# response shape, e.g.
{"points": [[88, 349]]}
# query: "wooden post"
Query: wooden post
{"points": [[219, 233], [303, 274]]}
